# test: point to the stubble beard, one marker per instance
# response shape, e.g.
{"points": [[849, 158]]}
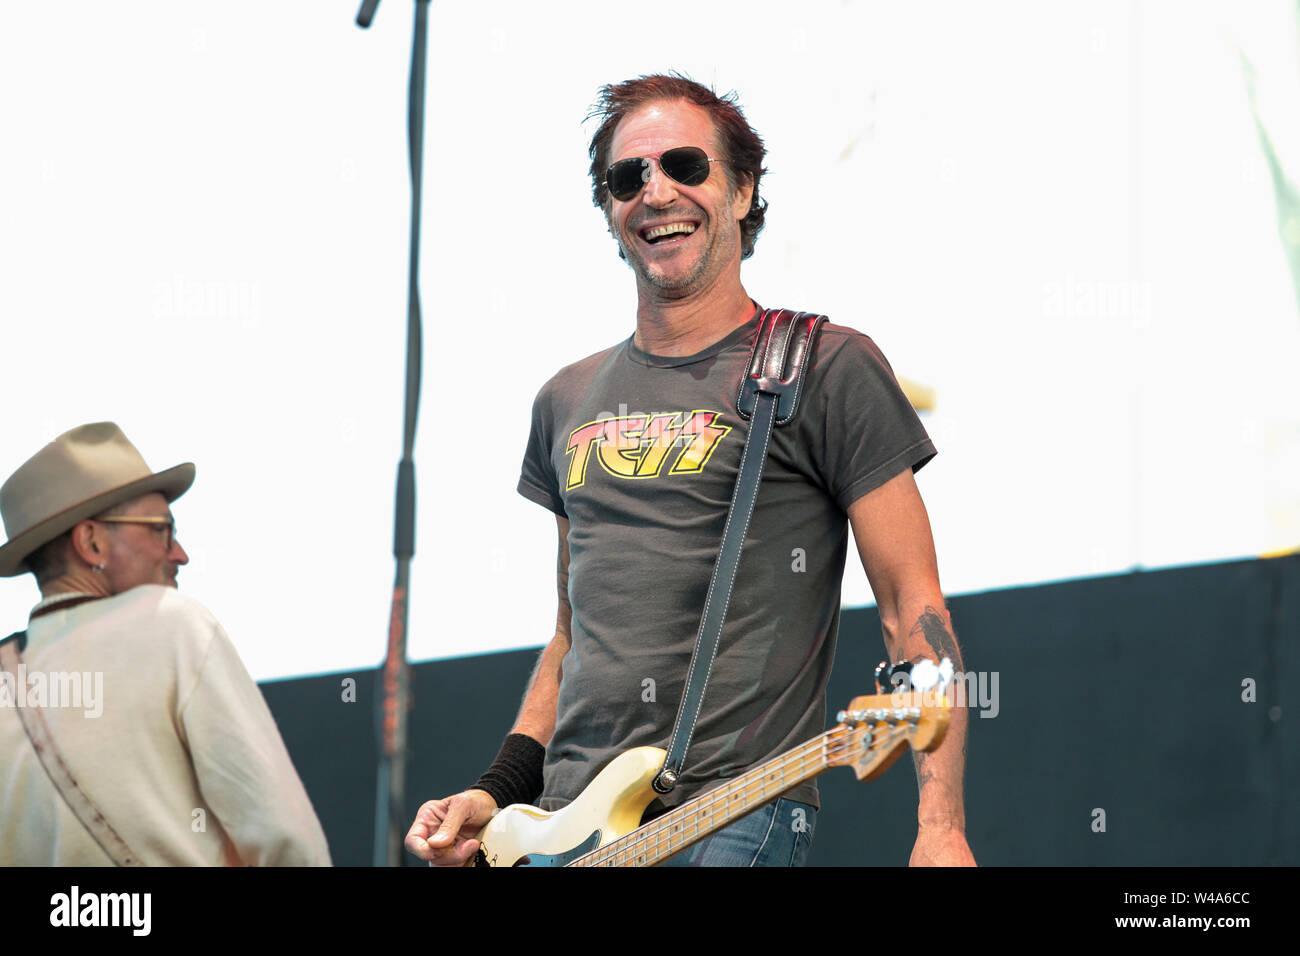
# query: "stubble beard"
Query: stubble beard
{"points": [[676, 285], [673, 285]]}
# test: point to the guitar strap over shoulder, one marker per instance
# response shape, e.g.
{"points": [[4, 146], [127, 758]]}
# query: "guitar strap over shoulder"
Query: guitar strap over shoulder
{"points": [[768, 396], [38, 732]]}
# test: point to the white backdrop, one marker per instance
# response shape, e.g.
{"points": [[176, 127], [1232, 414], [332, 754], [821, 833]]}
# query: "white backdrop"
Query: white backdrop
{"points": [[1057, 216]]}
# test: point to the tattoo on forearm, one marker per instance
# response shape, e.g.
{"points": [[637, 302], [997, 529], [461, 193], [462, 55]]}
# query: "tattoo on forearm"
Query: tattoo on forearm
{"points": [[923, 771], [931, 626]]}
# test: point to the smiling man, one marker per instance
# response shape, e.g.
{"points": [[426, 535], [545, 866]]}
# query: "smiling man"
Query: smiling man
{"points": [[636, 451], [177, 760]]}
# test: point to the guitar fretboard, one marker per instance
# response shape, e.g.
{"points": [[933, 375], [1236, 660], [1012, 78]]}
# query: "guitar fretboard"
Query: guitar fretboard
{"points": [[696, 819]]}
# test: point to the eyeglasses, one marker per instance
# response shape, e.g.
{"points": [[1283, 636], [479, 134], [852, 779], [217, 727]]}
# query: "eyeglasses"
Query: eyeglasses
{"points": [[167, 525], [688, 165]]}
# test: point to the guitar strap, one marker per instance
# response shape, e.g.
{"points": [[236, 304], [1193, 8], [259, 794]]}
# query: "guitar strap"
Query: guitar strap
{"points": [[768, 396], [38, 732]]}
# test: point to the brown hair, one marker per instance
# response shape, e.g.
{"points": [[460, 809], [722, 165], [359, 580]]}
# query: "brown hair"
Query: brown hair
{"points": [[742, 147]]}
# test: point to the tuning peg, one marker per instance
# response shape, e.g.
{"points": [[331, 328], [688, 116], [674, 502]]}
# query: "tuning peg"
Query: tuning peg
{"points": [[926, 675], [892, 677], [882, 676]]}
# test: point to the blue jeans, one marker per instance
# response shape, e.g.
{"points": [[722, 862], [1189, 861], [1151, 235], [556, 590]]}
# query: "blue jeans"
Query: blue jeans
{"points": [[779, 834]]}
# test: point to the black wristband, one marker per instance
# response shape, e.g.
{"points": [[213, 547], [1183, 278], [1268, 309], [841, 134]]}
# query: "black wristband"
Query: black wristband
{"points": [[516, 775]]}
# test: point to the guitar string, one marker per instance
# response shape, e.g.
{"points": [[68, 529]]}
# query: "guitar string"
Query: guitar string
{"points": [[818, 752], [660, 829], [703, 819], [671, 827]]}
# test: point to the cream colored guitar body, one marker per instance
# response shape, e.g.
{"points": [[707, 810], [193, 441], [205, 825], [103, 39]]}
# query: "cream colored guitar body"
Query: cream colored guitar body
{"points": [[610, 806]]}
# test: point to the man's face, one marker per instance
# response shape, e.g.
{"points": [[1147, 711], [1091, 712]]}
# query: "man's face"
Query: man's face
{"points": [[141, 553], [707, 245]]}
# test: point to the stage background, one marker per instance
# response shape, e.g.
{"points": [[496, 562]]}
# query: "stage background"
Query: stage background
{"points": [[1120, 693]]}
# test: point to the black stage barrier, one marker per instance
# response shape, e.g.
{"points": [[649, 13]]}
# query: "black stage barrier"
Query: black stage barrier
{"points": [[1144, 719]]}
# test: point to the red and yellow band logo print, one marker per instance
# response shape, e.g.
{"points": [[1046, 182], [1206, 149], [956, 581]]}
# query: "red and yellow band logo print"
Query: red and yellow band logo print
{"points": [[639, 445]]}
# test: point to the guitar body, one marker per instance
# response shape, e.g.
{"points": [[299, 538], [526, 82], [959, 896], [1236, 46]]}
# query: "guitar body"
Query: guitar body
{"points": [[610, 807]]}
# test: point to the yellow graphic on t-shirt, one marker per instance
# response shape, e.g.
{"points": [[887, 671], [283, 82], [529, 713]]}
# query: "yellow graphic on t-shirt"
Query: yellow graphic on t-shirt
{"points": [[637, 446]]}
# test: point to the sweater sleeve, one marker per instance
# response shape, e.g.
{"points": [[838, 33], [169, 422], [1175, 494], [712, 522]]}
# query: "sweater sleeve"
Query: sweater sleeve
{"points": [[243, 768]]}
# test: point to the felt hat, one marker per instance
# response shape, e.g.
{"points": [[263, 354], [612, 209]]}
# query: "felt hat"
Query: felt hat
{"points": [[80, 474]]}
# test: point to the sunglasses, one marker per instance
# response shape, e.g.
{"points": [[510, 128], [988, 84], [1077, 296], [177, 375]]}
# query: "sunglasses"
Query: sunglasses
{"points": [[688, 165]]}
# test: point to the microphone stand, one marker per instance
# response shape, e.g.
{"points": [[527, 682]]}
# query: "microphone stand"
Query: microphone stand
{"points": [[395, 677]]}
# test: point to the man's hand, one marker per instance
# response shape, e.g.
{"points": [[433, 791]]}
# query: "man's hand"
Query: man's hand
{"points": [[941, 847], [444, 830]]}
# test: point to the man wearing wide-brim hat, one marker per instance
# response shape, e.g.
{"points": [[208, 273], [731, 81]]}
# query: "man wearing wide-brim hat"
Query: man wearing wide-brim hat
{"points": [[130, 732]]}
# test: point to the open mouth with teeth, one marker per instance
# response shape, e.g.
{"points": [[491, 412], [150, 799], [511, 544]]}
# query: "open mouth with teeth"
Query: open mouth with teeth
{"points": [[668, 232]]}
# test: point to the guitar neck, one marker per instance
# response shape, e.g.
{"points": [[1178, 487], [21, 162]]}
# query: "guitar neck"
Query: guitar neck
{"points": [[696, 819]]}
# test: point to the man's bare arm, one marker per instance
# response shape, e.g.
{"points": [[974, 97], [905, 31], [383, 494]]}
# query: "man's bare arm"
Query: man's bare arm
{"points": [[894, 541], [445, 831], [537, 712]]}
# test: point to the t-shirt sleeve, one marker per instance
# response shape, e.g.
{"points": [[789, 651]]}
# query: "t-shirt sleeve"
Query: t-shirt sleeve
{"points": [[537, 480], [243, 769], [861, 429]]}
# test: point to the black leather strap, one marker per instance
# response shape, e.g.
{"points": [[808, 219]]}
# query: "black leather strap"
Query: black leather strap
{"points": [[769, 395]]}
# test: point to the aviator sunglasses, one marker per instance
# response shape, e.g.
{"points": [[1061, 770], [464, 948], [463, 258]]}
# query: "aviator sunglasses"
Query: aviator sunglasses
{"points": [[688, 165]]}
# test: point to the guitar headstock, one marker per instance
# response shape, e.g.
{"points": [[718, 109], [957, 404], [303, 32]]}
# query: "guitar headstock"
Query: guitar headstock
{"points": [[873, 729]]}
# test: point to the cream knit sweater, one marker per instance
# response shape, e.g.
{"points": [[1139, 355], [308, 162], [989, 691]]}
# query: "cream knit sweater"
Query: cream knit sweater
{"points": [[183, 757]]}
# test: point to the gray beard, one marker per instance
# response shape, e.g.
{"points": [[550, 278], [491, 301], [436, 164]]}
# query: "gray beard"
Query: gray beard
{"points": [[660, 282]]}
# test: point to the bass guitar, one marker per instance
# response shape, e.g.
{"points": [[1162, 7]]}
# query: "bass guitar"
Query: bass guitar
{"points": [[602, 827]]}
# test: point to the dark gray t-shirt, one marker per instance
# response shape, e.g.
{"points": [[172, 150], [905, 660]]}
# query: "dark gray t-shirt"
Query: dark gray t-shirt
{"points": [[640, 452]]}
